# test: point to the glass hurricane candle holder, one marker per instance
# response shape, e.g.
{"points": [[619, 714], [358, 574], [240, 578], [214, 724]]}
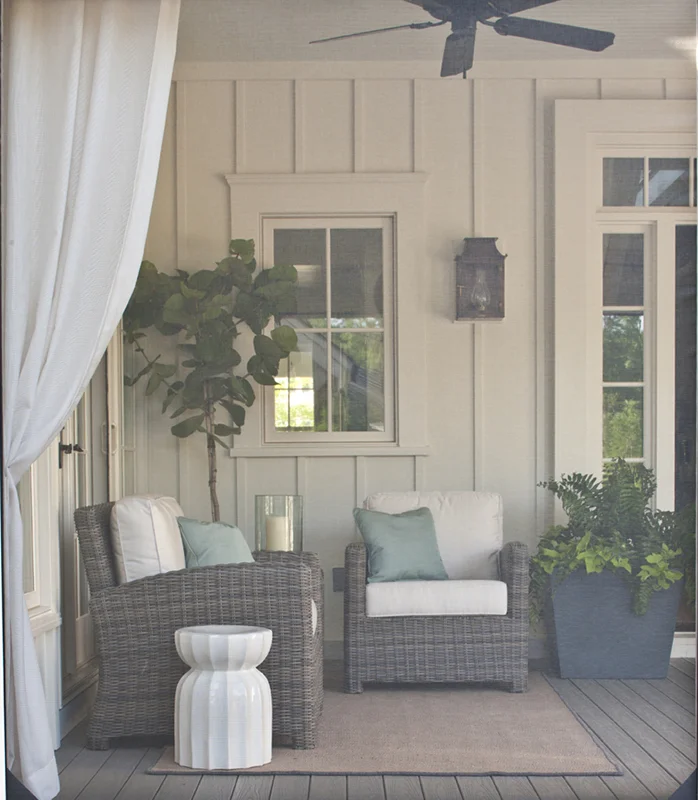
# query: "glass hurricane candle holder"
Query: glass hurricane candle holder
{"points": [[278, 522]]}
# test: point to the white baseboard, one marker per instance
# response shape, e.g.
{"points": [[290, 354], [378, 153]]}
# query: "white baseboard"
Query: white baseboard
{"points": [[75, 711], [684, 647]]}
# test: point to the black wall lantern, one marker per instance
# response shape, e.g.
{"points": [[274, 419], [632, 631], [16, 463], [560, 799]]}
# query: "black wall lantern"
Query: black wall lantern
{"points": [[480, 280]]}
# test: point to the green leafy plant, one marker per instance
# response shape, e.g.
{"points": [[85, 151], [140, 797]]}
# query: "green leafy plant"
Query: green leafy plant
{"points": [[611, 526], [206, 311]]}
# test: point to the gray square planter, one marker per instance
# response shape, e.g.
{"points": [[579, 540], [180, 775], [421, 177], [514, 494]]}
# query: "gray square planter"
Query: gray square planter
{"points": [[595, 633]]}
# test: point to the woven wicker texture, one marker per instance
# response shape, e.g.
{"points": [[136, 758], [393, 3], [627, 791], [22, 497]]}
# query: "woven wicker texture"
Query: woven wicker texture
{"points": [[134, 628], [439, 648]]}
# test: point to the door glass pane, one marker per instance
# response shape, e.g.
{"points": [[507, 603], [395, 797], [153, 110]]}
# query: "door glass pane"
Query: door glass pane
{"points": [[358, 399], [668, 181], [305, 250], [623, 181], [622, 422], [300, 396], [623, 269], [623, 347], [24, 491], [356, 256]]}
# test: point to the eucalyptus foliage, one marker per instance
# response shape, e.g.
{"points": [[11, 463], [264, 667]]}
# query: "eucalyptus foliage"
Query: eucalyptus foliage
{"points": [[206, 311], [611, 526]]}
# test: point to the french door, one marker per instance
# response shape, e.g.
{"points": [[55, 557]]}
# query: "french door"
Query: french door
{"points": [[90, 466]]}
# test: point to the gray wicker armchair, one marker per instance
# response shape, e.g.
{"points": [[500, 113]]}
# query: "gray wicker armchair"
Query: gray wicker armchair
{"points": [[134, 626], [451, 647]]}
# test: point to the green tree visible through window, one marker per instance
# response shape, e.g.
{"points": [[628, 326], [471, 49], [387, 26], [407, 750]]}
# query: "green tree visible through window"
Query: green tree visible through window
{"points": [[622, 347], [622, 423]]}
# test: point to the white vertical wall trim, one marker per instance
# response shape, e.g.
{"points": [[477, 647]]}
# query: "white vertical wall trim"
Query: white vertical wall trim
{"points": [[302, 476], [477, 226], [234, 103], [181, 169], [298, 120], [417, 133], [542, 504], [664, 358], [418, 473], [240, 109], [182, 258], [360, 479], [478, 418], [241, 505], [358, 126]]}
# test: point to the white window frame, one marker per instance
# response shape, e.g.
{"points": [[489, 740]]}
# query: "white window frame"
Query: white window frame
{"points": [[26, 491], [329, 222], [585, 132], [398, 196]]}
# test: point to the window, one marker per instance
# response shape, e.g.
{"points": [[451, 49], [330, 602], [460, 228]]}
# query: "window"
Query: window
{"points": [[339, 385], [623, 345], [624, 289]]}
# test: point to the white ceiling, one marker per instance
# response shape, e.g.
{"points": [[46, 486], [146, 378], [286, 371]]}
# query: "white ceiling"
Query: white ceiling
{"points": [[279, 30]]}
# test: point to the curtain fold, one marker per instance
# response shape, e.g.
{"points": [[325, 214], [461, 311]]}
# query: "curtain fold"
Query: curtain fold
{"points": [[87, 86]]}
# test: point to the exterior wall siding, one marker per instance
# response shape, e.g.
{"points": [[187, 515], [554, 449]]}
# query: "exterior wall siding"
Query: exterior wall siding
{"points": [[487, 147]]}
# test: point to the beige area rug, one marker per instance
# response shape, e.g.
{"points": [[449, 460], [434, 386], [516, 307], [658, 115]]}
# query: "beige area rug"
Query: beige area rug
{"points": [[438, 730]]}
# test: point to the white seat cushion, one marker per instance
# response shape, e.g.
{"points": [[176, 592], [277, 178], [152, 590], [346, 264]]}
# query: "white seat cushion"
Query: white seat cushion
{"points": [[468, 527], [435, 598], [145, 536]]}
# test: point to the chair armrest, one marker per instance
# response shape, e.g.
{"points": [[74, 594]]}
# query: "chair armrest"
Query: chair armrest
{"points": [[514, 571], [355, 571], [311, 560]]}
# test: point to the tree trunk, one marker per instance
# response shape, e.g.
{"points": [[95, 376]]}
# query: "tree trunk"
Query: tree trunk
{"points": [[212, 464]]}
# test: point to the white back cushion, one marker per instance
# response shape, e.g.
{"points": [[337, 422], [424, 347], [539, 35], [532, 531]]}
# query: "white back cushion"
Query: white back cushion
{"points": [[468, 527], [145, 536]]}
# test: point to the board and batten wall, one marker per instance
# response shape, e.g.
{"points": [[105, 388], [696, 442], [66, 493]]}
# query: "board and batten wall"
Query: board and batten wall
{"points": [[486, 146]]}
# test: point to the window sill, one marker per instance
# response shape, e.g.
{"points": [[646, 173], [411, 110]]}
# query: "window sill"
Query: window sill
{"points": [[326, 451]]}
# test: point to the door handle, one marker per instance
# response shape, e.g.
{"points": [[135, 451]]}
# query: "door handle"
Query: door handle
{"points": [[66, 450]]}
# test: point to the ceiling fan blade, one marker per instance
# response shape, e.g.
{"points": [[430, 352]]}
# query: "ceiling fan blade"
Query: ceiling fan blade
{"points": [[415, 26], [504, 7], [566, 35], [458, 53]]}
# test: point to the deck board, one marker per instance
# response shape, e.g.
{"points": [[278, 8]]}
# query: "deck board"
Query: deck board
{"points": [[647, 726]]}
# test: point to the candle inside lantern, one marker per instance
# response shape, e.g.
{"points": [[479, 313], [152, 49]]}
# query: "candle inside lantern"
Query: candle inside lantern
{"points": [[277, 533]]}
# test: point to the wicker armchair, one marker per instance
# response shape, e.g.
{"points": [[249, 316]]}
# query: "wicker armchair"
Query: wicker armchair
{"points": [[134, 626], [446, 648]]}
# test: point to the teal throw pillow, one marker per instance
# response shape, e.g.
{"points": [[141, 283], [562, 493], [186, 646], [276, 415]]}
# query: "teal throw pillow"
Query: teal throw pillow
{"points": [[401, 547], [209, 543]]}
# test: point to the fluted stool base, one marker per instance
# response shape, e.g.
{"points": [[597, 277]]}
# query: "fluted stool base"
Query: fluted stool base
{"points": [[223, 704]]}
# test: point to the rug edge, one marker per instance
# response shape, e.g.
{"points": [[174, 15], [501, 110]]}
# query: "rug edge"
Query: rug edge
{"points": [[612, 759], [154, 770]]}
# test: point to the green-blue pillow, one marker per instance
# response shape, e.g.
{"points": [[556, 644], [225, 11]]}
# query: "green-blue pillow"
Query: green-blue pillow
{"points": [[400, 547], [209, 543]]}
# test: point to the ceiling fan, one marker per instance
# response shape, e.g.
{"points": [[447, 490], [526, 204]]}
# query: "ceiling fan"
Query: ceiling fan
{"points": [[498, 14]]}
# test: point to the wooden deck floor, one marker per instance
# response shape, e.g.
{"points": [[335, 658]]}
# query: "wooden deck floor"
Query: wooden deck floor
{"points": [[649, 727]]}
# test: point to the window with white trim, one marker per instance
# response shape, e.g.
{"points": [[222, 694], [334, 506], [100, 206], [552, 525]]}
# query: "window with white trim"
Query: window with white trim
{"points": [[339, 385], [656, 189]]}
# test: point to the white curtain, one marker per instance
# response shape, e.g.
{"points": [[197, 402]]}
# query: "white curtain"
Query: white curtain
{"points": [[87, 85]]}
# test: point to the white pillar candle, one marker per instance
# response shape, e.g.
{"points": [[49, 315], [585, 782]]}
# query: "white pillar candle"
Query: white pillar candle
{"points": [[277, 533]]}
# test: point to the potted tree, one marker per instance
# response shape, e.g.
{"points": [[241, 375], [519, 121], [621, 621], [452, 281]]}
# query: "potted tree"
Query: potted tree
{"points": [[205, 312], [608, 582]]}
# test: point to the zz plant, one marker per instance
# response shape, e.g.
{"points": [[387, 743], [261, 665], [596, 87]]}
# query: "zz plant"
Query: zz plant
{"points": [[206, 311], [611, 526]]}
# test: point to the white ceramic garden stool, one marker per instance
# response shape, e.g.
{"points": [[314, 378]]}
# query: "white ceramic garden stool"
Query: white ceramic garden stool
{"points": [[223, 704]]}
